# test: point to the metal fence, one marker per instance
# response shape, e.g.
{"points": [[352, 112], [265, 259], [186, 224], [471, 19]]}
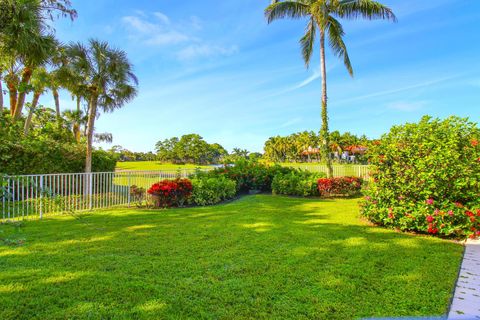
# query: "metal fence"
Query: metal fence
{"points": [[33, 196], [361, 171]]}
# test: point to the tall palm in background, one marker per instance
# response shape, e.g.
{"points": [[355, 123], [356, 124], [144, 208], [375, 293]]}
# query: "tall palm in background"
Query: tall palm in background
{"points": [[322, 17], [39, 82], [106, 76]]}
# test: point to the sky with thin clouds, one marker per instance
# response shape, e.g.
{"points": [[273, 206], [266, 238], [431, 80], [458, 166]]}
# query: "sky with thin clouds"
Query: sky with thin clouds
{"points": [[218, 69]]}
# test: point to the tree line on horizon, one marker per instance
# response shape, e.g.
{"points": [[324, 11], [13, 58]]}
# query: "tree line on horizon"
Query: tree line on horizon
{"points": [[301, 147]]}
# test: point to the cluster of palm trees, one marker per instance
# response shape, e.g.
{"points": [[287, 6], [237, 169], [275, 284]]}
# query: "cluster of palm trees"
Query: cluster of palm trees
{"points": [[33, 61], [323, 18], [303, 146]]}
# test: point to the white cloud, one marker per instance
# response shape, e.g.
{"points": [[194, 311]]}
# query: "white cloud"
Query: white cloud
{"points": [[159, 30], [140, 25], [401, 89], [407, 106], [169, 37], [162, 17], [205, 50]]}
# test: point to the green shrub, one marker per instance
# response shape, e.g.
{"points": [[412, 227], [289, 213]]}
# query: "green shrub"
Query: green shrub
{"points": [[49, 150], [212, 190], [297, 183], [427, 178], [250, 174]]}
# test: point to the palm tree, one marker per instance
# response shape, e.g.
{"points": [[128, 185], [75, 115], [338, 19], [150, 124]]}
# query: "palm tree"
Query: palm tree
{"points": [[322, 17], [107, 74], [40, 80]]}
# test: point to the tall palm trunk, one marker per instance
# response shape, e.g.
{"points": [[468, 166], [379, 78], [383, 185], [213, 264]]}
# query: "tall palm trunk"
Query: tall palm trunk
{"points": [[28, 122], [90, 127], [1, 96], [76, 124], [26, 76], [324, 130], [57, 102], [12, 93]]}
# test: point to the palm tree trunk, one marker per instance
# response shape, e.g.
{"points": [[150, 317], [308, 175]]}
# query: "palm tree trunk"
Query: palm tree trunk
{"points": [[76, 124], [26, 75], [1, 96], [12, 93], [324, 130], [28, 122], [90, 126], [57, 102]]}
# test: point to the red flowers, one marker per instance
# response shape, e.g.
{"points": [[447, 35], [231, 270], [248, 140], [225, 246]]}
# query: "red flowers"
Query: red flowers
{"points": [[432, 229], [429, 201], [339, 186], [430, 219], [171, 193], [474, 142]]}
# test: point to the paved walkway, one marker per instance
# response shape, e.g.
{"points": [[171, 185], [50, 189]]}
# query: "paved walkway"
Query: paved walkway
{"points": [[466, 301]]}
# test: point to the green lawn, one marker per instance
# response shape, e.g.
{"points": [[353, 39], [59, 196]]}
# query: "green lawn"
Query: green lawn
{"points": [[153, 165], [259, 257]]}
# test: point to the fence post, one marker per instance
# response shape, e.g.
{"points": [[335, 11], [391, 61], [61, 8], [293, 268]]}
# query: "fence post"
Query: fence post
{"points": [[128, 190], [41, 196], [90, 187]]}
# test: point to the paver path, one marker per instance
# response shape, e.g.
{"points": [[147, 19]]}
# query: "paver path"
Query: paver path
{"points": [[466, 301]]}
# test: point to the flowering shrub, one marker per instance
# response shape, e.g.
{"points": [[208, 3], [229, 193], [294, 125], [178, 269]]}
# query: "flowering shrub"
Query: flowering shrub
{"points": [[427, 178], [342, 186], [171, 193], [296, 183], [212, 190]]}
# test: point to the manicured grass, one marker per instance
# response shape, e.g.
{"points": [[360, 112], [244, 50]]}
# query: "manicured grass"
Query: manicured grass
{"points": [[259, 257], [153, 165]]}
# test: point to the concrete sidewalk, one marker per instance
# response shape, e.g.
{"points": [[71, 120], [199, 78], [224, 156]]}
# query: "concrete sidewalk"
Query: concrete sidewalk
{"points": [[466, 301]]}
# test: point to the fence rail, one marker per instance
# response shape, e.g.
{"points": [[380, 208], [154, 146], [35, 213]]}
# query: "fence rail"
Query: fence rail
{"points": [[33, 196], [361, 171]]}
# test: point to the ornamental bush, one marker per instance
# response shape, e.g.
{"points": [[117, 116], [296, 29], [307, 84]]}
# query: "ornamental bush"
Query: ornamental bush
{"points": [[212, 190], [342, 186], [250, 175], [427, 178], [171, 193], [297, 183]]}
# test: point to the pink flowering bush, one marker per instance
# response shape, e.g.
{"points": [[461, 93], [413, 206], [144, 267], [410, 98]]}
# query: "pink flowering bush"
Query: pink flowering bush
{"points": [[427, 178]]}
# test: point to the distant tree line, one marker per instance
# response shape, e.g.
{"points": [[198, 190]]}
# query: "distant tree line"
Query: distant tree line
{"points": [[305, 146], [189, 148]]}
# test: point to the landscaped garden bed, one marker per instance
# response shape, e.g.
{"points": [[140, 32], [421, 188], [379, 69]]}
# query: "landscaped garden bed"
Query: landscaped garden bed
{"points": [[258, 257]]}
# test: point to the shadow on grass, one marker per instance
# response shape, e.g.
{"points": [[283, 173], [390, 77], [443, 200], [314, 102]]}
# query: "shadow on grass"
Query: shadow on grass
{"points": [[259, 257]]}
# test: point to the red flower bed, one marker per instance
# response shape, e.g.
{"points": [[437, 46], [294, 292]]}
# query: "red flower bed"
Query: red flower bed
{"points": [[343, 186], [171, 193]]}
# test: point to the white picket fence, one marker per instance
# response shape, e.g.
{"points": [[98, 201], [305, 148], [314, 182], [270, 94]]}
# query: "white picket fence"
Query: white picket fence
{"points": [[361, 171], [33, 196]]}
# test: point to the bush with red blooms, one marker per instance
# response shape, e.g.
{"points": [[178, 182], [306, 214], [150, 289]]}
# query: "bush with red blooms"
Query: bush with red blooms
{"points": [[342, 186], [427, 178], [171, 193]]}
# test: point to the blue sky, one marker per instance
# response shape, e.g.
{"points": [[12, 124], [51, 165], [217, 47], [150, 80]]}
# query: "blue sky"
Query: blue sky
{"points": [[216, 68]]}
